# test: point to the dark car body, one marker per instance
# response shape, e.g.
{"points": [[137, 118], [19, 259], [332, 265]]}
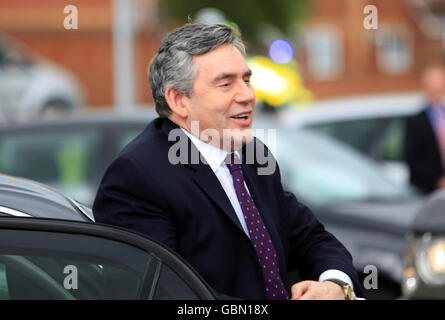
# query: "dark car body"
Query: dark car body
{"points": [[424, 263], [25, 198], [51, 249]]}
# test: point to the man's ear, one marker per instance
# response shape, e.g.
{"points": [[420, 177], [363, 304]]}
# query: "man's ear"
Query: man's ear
{"points": [[175, 101]]}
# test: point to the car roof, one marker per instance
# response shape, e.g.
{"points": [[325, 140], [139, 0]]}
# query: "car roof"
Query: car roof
{"points": [[25, 198], [354, 108]]}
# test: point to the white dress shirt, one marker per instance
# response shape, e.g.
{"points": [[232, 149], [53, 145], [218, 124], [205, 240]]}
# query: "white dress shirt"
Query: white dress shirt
{"points": [[215, 159]]}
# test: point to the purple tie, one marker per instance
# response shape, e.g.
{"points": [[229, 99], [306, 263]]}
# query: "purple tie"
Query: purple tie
{"points": [[259, 236]]}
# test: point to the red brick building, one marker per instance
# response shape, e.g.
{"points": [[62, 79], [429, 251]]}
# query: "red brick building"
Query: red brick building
{"points": [[337, 54], [86, 51]]}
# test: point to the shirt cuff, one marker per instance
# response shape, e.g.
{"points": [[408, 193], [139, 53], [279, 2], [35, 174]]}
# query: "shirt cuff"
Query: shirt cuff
{"points": [[336, 274]]}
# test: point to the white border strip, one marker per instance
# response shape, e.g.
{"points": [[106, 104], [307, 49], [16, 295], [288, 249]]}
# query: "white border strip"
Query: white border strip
{"points": [[13, 212]]}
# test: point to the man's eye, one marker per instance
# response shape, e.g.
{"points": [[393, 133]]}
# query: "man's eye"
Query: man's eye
{"points": [[225, 84]]}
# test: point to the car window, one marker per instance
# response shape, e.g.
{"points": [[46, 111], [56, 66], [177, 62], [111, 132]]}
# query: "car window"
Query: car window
{"points": [[4, 291], [66, 160], [47, 265], [356, 133], [322, 170], [171, 286], [55, 259]]}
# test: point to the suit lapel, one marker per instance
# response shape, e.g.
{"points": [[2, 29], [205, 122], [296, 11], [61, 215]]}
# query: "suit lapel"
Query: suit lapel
{"points": [[204, 177], [209, 183]]}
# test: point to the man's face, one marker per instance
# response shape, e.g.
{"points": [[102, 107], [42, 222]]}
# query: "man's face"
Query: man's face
{"points": [[434, 84], [222, 98]]}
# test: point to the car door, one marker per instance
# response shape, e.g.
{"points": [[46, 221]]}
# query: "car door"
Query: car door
{"points": [[58, 259]]}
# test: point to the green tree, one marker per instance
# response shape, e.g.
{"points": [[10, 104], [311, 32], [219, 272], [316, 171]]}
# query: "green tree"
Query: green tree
{"points": [[249, 15]]}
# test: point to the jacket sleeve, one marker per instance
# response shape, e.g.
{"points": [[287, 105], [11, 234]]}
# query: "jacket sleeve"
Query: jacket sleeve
{"points": [[127, 197], [312, 249]]}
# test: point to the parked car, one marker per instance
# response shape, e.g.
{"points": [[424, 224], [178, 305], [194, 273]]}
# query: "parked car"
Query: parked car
{"points": [[346, 190], [43, 257], [349, 194], [32, 87], [424, 265], [21, 197], [68, 155], [374, 125]]}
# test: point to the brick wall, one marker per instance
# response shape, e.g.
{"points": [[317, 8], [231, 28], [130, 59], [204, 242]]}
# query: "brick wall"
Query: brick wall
{"points": [[87, 51]]}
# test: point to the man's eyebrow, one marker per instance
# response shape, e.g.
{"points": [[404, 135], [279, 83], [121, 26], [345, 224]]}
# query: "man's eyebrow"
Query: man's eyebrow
{"points": [[224, 75]]}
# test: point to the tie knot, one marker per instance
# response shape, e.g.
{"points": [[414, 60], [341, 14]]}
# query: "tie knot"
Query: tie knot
{"points": [[234, 163]]}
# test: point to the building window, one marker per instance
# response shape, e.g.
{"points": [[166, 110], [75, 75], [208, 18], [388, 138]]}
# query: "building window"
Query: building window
{"points": [[325, 52], [394, 51]]}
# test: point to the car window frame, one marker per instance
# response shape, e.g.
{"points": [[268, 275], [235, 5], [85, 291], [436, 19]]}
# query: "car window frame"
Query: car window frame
{"points": [[160, 252]]}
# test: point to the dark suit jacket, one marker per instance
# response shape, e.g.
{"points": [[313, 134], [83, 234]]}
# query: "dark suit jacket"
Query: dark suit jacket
{"points": [[422, 153], [185, 207]]}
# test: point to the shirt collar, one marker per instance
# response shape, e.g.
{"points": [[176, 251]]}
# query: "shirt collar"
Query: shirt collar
{"points": [[214, 156]]}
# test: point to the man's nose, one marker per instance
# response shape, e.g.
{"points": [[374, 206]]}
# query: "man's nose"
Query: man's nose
{"points": [[245, 93]]}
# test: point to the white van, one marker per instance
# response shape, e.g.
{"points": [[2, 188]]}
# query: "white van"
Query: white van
{"points": [[373, 124]]}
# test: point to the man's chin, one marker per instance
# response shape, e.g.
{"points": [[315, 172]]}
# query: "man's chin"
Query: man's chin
{"points": [[235, 139]]}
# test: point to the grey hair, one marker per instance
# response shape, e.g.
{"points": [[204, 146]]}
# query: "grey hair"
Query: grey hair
{"points": [[172, 65]]}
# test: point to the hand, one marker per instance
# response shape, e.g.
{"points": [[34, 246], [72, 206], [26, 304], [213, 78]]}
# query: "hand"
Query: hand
{"points": [[314, 290]]}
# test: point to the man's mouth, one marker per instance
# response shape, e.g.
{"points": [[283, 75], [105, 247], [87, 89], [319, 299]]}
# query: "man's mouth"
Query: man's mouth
{"points": [[242, 116], [243, 119]]}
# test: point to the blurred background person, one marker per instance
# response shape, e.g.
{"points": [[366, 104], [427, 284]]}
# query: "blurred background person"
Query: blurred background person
{"points": [[425, 134]]}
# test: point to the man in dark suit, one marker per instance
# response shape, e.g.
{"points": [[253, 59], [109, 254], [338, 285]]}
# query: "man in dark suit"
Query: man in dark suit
{"points": [[425, 135], [191, 181]]}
